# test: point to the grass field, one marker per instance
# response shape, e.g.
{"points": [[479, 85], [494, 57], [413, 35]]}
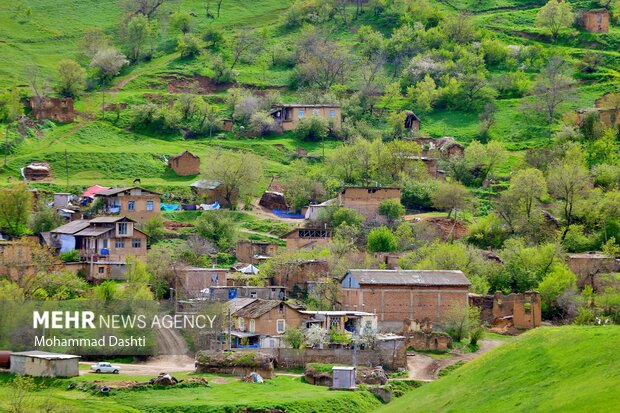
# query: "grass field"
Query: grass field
{"points": [[284, 393], [555, 369]]}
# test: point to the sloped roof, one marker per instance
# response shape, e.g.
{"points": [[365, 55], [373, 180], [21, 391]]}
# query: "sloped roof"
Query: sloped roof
{"points": [[238, 303], [109, 220], [93, 232], [45, 355], [206, 184], [72, 227], [116, 191], [410, 277], [93, 190], [185, 152], [257, 308]]}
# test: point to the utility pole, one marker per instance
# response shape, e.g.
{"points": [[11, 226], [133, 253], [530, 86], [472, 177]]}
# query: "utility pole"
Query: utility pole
{"points": [[67, 168], [228, 340], [323, 145], [6, 144]]}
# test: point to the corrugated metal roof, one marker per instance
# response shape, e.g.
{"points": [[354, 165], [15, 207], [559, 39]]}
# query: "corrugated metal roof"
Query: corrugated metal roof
{"points": [[93, 232], [45, 355], [257, 308], [109, 220], [238, 303], [410, 277], [72, 227]]}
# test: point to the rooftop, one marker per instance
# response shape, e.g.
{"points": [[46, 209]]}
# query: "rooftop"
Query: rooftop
{"points": [[206, 184], [410, 277], [45, 355], [72, 227], [257, 308], [116, 191]]}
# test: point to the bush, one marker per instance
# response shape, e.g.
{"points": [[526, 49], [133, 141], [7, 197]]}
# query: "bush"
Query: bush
{"points": [[262, 123], [382, 240], [295, 338], [213, 37], [217, 227], [417, 194], [391, 209], [221, 72], [70, 256], [189, 45], [312, 128], [346, 216]]}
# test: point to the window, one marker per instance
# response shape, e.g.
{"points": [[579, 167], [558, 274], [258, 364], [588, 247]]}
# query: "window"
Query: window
{"points": [[252, 325], [136, 243], [101, 270], [302, 113], [105, 243], [241, 323], [316, 112], [131, 205], [122, 228], [280, 326], [149, 205], [252, 294], [120, 243], [214, 278], [332, 113]]}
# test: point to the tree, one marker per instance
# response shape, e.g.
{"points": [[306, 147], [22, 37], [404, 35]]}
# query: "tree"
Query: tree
{"points": [[555, 16], [181, 21], [316, 335], [148, 8], [10, 110], [485, 158], [155, 229], [382, 240], [189, 45], [45, 219], [321, 62], [294, 338], [138, 37], [312, 128], [451, 197], [15, 206], [346, 216], [559, 279], [262, 123], [527, 186], [244, 43], [568, 180], [218, 227], [108, 63], [552, 88], [474, 93], [238, 173], [456, 322], [71, 78], [423, 94], [392, 210]]}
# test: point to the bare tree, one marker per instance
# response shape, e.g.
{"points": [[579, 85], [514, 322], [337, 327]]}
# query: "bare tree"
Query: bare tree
{"points": [[322, 63], [148, 8], [244, 42], [38, 84]]}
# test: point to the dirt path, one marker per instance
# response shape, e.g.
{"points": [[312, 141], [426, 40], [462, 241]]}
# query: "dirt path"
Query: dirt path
{"points": [[170, 342], [159, 364], [425, 368]]}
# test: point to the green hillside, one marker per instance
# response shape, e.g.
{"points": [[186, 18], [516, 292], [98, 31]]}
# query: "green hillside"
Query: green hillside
{"points": [[559, 369]]}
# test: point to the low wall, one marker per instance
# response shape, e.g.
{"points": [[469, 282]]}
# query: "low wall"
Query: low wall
{"points": [[429, 341], [387, 356]]}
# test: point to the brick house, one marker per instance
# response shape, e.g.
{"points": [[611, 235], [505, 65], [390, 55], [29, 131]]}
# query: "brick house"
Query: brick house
{"points": [[136, 203], [212, 191], [103, 243], [588, 265], [194, 280], [253, 252], [297, 275], [307, 238], [288, 116], [366, 200], [398, 295], [185, 164], [595, 21], [262, 322], [513, 310]]}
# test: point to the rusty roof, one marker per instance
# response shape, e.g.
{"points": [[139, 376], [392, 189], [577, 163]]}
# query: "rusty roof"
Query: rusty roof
{"points": [[257, 308], [410, 277]]}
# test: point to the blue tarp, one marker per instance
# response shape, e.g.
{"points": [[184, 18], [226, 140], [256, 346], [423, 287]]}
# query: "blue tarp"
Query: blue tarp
{"points": [[288, 214], [170, 207]]}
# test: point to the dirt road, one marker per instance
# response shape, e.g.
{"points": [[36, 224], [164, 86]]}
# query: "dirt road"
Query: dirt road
{"points": [[159, 364], [170, 342], [425, 368]]}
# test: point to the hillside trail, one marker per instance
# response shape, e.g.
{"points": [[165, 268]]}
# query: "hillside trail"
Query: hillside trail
{"points": [[423, 367], [90, 117]]}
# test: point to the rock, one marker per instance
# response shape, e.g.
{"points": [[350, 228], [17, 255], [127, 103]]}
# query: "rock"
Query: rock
{"points": [[273, 200], [381, 392]]}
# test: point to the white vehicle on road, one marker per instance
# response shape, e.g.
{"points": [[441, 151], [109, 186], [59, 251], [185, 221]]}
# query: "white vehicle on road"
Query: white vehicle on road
{"points": [[105, 368]]}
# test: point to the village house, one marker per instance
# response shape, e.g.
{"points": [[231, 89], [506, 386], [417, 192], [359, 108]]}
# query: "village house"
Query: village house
{"points": [[608, 116], [288, 116], [229, 292], [397, 295], [295, 276], [307, 238], [136, 203], [255, 252], [18, 258], [44, 364], [507, 311], [196, 281], [590, 264], [103, 243], [595, 21], [355, 322], [185, 164], [211, 191], [261, 323], [56, 109], [366, 200]]}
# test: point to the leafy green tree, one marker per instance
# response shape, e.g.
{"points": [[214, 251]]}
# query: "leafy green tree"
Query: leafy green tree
{"points": [[15, 207], [417, 194], [555, 16], [238, 173], [189, 45], [392, 210], [452, 197], [139, 37], [423, 95], [294, 338], [181, 21], [219, 228], [525, 266], [155, 229], [71, 78], [382, 240], [526, 189], [312, 128], [348, 216], [485, 158], [557, 281], [44, 219]]}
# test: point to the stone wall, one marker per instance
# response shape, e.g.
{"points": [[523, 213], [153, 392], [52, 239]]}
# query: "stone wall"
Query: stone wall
{"points": [[420, 340]]}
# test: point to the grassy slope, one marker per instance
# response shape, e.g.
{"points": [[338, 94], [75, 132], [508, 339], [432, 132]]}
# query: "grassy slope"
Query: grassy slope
{"points": [[292, 396], [559, 369]]}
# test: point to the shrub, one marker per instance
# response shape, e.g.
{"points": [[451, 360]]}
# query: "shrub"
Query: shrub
{"points": [[295, 338], [213, 37], [262, 123], [382, 240], [217, 227], [391, 209], [417, 194], [70, 256], [346, 216], [312, 128], [189, 45], [221, 72]]}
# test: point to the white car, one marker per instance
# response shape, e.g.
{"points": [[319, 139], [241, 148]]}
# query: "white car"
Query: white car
{"points": [[105, 368]]}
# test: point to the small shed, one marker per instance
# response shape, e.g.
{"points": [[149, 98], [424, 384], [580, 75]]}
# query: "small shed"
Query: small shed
{"points": [[37, 171], [44, 364], [185, 164], [343, 377]]}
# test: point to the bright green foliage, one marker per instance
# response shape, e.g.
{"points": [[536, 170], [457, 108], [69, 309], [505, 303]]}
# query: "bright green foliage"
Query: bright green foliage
{"points": [[391, 209], [218, 228], [71, 78], [559, 279], [294, 338], [346, 216], [382, 240], [555, 16], [15, 206]]}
